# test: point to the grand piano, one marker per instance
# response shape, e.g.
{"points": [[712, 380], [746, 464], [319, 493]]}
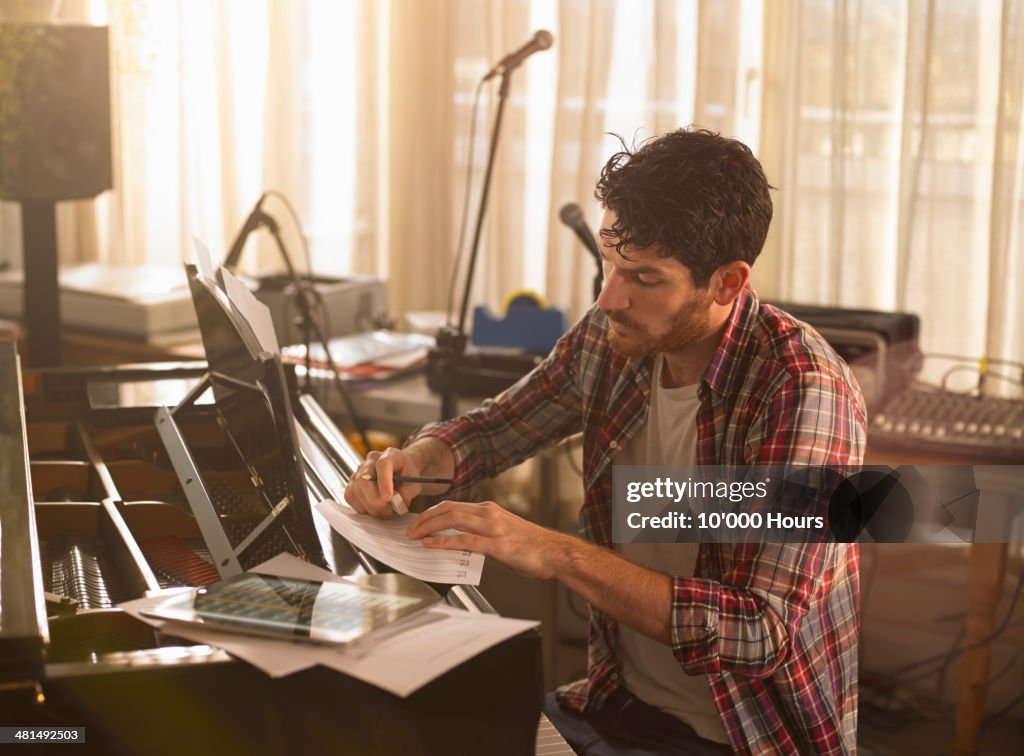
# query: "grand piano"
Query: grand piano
{"points": [[116, 482]]}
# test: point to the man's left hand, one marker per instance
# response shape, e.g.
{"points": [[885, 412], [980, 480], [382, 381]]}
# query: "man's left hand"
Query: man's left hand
{"points": [[495, 532]]}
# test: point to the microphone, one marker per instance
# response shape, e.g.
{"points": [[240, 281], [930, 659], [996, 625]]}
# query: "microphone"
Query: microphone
{"points": [[572, 215], [542, 40], [256, 217]]}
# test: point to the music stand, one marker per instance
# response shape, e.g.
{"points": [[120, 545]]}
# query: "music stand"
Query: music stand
{"points": [[253, 411]]}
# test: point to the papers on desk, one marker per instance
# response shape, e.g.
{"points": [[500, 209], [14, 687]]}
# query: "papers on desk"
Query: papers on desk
{"points": [[365, 359], [386, 540], [372, 347], [400, 663]]}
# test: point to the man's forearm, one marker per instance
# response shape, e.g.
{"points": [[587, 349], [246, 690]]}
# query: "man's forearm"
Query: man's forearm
{"points": [[631, 594], [639, 597]]}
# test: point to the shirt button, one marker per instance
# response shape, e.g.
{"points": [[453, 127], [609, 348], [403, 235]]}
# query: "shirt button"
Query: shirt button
{"points": [[614, 444]]}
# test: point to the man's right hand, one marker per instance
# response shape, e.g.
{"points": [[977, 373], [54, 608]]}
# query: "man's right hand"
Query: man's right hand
{"points": [[374, 496]]}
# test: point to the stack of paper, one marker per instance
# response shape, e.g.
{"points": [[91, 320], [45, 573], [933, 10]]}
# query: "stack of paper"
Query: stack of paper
{"points": [[366, 358]]}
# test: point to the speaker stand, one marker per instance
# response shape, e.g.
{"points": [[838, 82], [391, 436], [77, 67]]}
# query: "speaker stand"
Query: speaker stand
{"points": [[41, 292]]}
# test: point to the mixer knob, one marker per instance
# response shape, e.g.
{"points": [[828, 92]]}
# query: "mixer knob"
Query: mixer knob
{"points": [[901, 426], [972, 427], [986, 429], [915, 427], [1000, 430], [927, 429], [958, 426]]}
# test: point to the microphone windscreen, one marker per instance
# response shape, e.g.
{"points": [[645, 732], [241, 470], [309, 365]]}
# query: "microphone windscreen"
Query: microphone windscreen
{"points": [[571, 214], [543, 39]]}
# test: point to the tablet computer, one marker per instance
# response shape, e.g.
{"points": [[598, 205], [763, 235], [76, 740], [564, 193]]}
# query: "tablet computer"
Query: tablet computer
{"points": [[300, 610]]}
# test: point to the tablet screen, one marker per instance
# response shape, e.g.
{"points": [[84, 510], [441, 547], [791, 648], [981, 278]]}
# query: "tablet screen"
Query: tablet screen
{"points": [[304, 610]]}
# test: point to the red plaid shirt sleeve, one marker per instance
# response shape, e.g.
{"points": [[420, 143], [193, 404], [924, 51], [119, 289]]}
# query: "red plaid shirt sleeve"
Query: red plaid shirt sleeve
{"points": [[541, 409]]}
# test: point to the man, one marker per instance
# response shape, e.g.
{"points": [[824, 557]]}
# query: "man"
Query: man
{"points": [[752, 647]]}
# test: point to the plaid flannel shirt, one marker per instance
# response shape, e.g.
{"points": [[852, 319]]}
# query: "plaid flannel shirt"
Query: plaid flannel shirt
{"points": [[773, 627]]}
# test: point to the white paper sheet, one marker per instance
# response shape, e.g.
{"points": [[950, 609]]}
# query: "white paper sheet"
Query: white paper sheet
{"points": [[203, 260], [404, 663], [386, 540], [398, 663], [253, 310]]}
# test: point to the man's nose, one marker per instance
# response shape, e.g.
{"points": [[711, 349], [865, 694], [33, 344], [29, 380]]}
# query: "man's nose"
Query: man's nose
{"points": [[613, 294]]}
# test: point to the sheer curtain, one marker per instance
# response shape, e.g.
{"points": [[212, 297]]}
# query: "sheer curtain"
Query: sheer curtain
{"points": [[892, 130], [634, 69], [213, 102], [217, 102], [359, 111]]}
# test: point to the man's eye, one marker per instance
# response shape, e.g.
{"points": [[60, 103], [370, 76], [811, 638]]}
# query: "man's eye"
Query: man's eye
{"points": [[645, 281]]}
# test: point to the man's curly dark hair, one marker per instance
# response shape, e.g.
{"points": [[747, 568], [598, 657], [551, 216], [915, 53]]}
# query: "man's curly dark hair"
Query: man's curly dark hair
{"points": [[699, 197]]}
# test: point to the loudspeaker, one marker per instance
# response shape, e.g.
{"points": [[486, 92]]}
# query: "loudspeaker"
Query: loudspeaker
{"points": [[55, 117]]}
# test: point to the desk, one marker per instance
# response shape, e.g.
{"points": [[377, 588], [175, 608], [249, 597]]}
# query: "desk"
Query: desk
{"points": [[400, 406], [986, 570]]}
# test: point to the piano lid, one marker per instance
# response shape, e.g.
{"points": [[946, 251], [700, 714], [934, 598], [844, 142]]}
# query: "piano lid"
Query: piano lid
{"points": [[22, 604]]}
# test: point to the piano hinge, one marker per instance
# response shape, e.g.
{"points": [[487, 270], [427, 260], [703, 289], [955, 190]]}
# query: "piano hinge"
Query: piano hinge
{"points": [[277, 510]]}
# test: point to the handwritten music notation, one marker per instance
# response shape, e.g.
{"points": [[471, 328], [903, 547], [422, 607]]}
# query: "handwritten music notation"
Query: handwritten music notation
{"points": [[386, 540]]}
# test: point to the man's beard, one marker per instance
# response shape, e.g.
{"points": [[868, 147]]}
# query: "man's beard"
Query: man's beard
{"points": [[688, 325]]}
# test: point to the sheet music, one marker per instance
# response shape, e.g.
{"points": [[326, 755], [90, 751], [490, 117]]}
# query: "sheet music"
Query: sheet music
{"points": [[386, 540], [252, 310], [203, 260]]}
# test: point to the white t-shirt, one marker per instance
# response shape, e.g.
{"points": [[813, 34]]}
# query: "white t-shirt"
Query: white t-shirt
{"points": [[650, 670]]}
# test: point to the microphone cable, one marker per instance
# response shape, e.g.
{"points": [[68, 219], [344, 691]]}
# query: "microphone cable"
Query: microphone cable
{"points": [[318, 332]]}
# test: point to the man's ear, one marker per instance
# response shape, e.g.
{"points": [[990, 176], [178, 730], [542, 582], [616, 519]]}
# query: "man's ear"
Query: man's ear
{"points": [[729, 280]]}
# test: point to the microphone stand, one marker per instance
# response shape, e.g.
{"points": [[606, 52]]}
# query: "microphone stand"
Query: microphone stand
{"points": [[310, 327], [451, 342]]}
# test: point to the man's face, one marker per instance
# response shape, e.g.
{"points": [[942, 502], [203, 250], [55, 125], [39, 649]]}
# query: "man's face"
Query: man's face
{"points": [[651, 302]]}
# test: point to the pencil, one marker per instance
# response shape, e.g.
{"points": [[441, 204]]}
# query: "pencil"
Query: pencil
{"points": [[414, 479]]}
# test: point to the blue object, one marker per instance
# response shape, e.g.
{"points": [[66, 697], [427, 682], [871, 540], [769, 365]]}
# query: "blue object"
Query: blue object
{"points": [[526, 325]]}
